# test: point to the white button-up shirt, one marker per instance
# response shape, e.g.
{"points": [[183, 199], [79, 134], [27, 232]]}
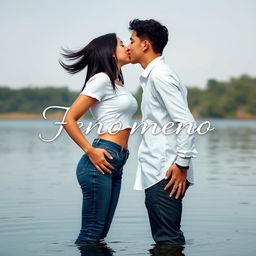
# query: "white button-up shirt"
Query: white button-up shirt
{"points": [[164, 100]]}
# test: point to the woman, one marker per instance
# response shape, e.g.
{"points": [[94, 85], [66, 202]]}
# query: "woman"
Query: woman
{"points": [[99, 170]]}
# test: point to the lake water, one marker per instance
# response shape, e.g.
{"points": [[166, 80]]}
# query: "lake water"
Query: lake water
{"points": [[40, 199]]}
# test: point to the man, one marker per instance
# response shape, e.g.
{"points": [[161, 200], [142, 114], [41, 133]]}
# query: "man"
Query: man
{"points": [[164, 160]]}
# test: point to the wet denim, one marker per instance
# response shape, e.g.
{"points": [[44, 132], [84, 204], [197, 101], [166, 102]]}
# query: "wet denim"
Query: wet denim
{"points": [[165, 213], [100, 192]]}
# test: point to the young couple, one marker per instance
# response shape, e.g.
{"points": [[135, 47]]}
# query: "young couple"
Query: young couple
{"points": [[164, 161]]}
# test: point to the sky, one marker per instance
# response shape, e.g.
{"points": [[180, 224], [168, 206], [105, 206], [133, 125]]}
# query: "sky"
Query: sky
{"points": [[208, 39]]}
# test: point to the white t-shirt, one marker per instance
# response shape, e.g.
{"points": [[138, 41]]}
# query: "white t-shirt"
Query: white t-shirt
{"points": [[112, 106]]}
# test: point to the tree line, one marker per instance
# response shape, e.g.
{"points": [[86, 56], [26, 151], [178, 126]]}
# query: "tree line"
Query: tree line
{"points": [[220, 99]]}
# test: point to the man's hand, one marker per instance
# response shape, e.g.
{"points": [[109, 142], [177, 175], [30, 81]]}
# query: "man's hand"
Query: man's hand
{"points": [[178, 180]]}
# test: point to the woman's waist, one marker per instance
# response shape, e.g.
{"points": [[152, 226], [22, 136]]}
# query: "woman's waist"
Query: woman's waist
{"points": [[119, 137], [108, 144]]}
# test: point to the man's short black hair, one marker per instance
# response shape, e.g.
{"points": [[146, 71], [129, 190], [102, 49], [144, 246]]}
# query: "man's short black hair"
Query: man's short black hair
{"points": [[152, 30]]}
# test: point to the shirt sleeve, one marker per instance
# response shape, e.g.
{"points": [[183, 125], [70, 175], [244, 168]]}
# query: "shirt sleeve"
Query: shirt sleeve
{"points": [[172, 97], [96, 86]]}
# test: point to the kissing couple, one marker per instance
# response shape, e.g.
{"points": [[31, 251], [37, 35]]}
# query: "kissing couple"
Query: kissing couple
{"points": [[165, 168]]}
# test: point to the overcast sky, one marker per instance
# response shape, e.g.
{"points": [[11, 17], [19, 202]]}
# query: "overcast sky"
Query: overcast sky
{"points": [[208, 39]]}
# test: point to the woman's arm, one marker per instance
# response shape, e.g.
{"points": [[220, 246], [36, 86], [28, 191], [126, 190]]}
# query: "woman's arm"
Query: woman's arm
{"points": [[77, 109]]}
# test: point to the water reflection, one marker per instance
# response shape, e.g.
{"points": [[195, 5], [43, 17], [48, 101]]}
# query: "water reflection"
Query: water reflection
{"points": [[99, 249], [40, 200], [167, 250]]}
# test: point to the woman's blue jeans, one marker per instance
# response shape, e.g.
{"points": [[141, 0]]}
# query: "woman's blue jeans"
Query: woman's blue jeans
{"points": [[100, 192]]}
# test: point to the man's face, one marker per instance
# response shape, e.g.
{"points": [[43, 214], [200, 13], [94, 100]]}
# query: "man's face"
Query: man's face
{"points": [[135, 48]]}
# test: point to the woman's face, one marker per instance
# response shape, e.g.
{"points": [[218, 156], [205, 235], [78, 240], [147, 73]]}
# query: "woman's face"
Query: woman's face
{"points": [[121, 53]]}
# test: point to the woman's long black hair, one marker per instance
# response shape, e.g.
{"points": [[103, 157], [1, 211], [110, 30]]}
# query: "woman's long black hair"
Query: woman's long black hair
{"points": [[97, 56]]}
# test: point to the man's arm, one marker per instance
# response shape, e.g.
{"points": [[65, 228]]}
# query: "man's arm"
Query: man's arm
{"points": [[168, 91]]}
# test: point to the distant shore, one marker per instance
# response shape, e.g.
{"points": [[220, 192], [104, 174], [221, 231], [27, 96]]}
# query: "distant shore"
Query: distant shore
{"points": [[59, 115], [29, 116]]}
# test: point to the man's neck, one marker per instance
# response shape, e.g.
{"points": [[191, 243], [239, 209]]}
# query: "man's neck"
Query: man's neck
{"points": [[147, 59]]}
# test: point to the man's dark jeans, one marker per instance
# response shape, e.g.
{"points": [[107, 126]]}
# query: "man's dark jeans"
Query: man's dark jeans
{"points": [[164, 213]]}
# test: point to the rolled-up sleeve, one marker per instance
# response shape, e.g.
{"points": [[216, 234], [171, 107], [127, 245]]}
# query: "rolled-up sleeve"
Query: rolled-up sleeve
{"points": [[172, 97]]}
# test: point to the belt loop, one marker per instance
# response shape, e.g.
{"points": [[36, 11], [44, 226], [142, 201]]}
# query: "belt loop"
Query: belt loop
{"points": [[121, 150], [97, 141]]}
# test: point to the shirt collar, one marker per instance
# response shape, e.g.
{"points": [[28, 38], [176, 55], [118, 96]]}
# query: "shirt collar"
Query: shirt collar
{"points": [[151, 65]]}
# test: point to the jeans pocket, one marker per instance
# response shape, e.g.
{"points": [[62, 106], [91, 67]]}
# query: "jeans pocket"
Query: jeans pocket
{"points": [[113, 153]]}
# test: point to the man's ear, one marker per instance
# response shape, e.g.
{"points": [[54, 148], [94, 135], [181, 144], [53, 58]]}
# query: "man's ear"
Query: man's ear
{"points": [[145, 45]]}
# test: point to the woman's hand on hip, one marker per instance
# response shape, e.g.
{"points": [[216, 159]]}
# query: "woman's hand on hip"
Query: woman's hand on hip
{"points": [[97, 157]]}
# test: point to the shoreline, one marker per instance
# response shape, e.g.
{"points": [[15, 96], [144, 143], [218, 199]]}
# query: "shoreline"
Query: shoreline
{"points": [[59, 115], [30, 116]]}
